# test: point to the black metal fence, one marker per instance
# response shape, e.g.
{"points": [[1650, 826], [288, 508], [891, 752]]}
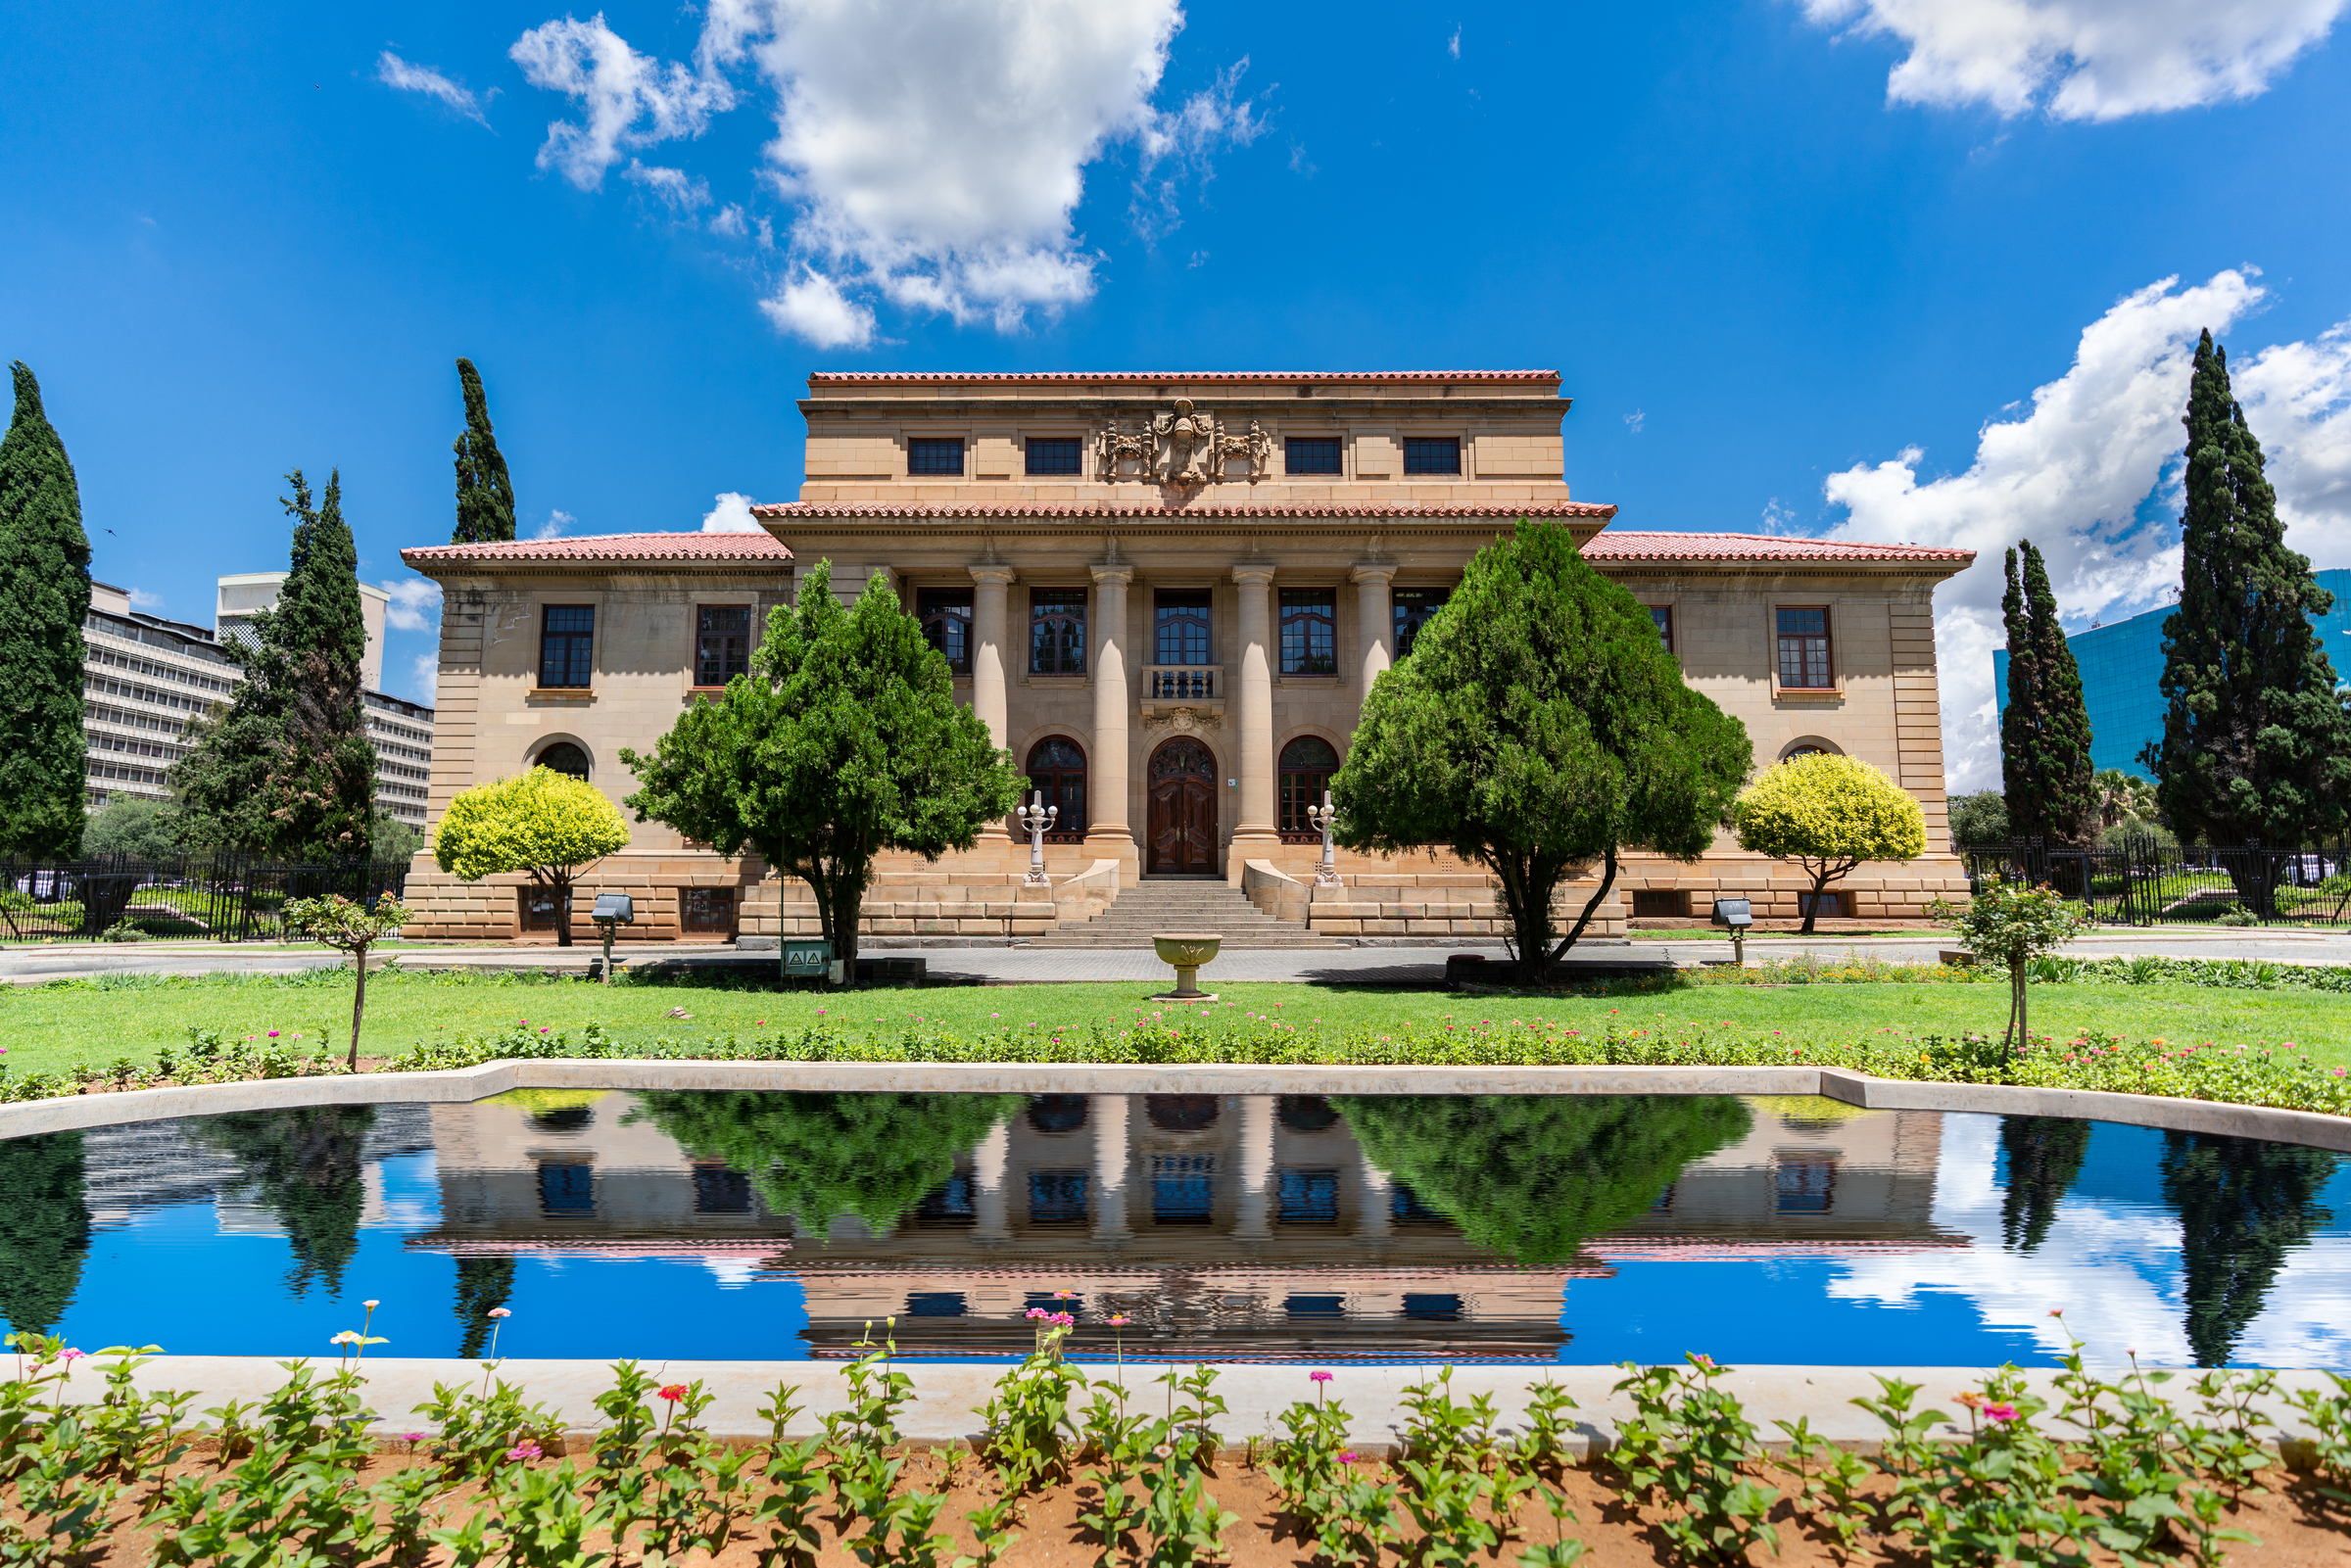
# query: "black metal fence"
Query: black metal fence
{"points": [[2144, 881], [220, 898]]}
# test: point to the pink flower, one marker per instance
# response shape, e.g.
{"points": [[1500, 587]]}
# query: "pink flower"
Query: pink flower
{"points": [[673, 1393], [1118, 1322], [1036, 1311], [1065, 1295], [273, 1034], [525, 1451], [497, 1312], [1348, 1457], [71, 1356], [412, 1437], [1319, 1377], [1062, 1320], [1999, 1414], [371, 1305]]}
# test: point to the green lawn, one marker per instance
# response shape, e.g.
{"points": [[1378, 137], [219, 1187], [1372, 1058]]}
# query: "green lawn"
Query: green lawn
{"points": [[54, 1025]]}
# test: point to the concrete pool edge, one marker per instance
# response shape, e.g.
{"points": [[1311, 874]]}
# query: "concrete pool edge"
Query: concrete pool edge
{"points": [[462, 1085], [949, 1393]]}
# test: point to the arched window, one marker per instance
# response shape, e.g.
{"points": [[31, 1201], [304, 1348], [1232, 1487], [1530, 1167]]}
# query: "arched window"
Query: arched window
{"points": [[1809, 746], [564, 757], [1181, 1112], [1307, 764], [1057, 1113], [1057, 768]]}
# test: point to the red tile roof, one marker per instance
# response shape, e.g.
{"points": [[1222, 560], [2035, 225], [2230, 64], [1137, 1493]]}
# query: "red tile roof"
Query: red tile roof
{"points": [[1169, 377], [751, 543], [786, 511], [1623, 546]]}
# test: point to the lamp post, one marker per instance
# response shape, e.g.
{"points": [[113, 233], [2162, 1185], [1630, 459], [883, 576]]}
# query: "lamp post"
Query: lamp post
{"points": [[1035, 819], [1322, 816]]}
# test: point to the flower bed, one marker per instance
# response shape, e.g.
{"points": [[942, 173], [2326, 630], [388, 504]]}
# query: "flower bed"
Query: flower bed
{"points": [[1066, 1469]]}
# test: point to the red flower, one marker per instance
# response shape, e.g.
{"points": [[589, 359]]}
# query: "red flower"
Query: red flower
{"points": [[674, 1393]]}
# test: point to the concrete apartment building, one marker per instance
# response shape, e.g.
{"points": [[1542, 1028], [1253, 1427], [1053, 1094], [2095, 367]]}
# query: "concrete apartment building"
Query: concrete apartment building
{"points": [[145, 677], [1166, 595]]}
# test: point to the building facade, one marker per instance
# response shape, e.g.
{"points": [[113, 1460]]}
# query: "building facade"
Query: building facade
{"points": [[1167, 595]]}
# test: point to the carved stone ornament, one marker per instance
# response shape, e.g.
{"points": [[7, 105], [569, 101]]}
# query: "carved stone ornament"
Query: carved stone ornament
{"points": [[1182, 446], [1183, 721]]}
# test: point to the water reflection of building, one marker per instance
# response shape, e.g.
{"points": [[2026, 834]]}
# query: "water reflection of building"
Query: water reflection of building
{"points": [[1230, 1225], [136, 1167]]}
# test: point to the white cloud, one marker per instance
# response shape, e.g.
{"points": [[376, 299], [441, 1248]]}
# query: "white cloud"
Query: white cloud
{"points": [[731, 515], [631, 99], [813, 307], [729, 220], [1633, 421], [424, 677], [1777, 517], [679, 189], [558, 520], [2090, 474], [934, 151], [394, 72], [2096, 60], [416, 604], [141, 599], [1453, 45]]}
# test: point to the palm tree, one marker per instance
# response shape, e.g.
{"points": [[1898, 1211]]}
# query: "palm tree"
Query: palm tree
{"points": [[2123, 797]]}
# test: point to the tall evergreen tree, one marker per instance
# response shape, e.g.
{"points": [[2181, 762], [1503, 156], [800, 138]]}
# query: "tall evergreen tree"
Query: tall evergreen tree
{"points": [[2045, 1155], [2243, 1206], [2256, 744], [287, 768], [485, 494], [44, 1228], [44, 597], [2045, 771]]}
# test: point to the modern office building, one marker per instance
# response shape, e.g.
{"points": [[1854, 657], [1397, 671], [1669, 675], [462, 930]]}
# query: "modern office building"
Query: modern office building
{"points": [[145, 677], [2122, 676]]}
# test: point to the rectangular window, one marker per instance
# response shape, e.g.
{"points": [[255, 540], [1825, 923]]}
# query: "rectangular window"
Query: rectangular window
{"points": [[1314, 1307], [1661, 617], [950, 1205], [1182, 1189], [1804, 650], [1309, 1196], [1180, 633], [1057, 630], [1660, 903], [1804, 1184], [1414, 608], [722, 644], [706, 908], [929, 456], [1310, 454], [1830, 904], [1433, 1308], [1404, 1207], [1310, 631], [935, 1304], [567, 1188], [947, 617], [1057, 1196], [566, 640], [1432, 454], [539, 909], [718, 1190], [1055, 455]]}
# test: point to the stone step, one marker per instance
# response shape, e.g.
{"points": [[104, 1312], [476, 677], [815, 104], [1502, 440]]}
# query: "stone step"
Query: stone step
{"points": [[1150, 907]]}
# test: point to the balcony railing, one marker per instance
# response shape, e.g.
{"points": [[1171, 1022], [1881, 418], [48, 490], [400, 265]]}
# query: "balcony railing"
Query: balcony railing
{"points": [[1179, 683]]}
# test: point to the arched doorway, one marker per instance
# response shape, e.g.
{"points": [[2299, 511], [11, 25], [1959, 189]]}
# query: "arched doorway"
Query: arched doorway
{"points": [[1307, 764], [1183, 808], [563, 757], [1057, 771]]}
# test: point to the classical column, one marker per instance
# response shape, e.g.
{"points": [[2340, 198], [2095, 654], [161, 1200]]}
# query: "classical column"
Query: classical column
{"points": [[1106, 828], [1257, 1167], [988, 1197], [1377, 613], [991, 593], [1378, 1195], [1255, 832], [1108, 1114]]}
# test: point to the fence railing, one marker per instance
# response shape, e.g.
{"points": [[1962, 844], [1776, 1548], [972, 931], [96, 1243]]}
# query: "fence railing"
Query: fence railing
{"points": [[2143, 882], [220, 898]]}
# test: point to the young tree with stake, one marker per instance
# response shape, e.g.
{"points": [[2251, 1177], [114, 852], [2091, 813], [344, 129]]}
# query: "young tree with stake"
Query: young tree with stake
{"points": [[2011, 923], [348, 928]]}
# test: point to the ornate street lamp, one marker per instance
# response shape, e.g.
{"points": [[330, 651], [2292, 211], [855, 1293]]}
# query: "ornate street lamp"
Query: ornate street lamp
{"points": [[1322, 816], [1035, 819]]}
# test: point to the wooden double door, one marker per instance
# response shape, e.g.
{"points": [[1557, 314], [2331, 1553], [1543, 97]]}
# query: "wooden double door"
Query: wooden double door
{"points": [[1183, 781]]}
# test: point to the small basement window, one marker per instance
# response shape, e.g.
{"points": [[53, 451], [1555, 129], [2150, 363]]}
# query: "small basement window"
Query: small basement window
{"points": [[1660, 903]]}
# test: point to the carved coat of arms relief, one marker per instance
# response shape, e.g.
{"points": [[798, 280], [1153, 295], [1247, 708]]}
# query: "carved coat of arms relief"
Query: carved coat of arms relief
{"points": [[1184, 445]]}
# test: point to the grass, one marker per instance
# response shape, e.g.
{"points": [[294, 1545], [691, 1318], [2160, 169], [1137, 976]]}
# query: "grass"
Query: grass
{"points": [[52, 1026]]}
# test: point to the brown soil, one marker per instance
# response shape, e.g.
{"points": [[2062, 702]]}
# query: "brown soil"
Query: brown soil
{"points": [[2292, 1524]]}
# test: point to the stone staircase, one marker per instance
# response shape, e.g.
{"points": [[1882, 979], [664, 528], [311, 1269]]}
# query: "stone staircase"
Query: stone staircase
{"points": [[1205, 904]]}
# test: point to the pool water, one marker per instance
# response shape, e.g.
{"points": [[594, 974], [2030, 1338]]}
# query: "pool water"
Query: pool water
{"points": [[1547, 1228]]}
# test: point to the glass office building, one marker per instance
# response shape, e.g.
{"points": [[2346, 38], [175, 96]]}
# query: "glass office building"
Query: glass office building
{"points": [[2122, 675]]}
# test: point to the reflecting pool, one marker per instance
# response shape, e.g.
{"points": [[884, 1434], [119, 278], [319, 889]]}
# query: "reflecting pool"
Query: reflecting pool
{"points": [[1538, 1228]]}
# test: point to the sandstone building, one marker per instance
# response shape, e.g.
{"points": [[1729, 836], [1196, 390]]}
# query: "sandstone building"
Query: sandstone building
{"points": [[1166, 595]]}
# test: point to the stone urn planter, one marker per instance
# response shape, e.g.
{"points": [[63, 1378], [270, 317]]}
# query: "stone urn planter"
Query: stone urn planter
{"points": [[1186, 951]]}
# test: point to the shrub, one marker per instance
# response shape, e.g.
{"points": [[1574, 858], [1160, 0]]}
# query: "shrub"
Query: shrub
{"points": [[1828, 814]]}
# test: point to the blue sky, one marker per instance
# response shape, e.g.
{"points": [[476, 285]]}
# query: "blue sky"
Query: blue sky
{"points": [[1900, 269]]}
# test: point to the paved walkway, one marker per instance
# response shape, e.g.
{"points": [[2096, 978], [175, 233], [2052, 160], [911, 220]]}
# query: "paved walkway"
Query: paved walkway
{"points": [[996, 961]]}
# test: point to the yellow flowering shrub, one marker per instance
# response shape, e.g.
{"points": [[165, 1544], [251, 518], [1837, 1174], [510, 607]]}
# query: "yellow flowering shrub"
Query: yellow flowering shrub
{"points": [[1828, 814], [541, 822]]}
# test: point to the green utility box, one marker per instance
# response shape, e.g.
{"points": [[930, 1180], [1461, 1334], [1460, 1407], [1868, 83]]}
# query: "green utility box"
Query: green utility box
{"points": [[807, 959]]}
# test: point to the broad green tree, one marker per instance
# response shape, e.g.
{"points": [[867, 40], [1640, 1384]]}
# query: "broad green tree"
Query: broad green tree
{"points": [[2124, 798], [308, 1168], [2256, 742], [485, 494], [544, 824], [44, 597], [1828, 814], [1980, 819], [1540, 729], [285, 767], [843, 741], [134, 827], [2045, 771]]}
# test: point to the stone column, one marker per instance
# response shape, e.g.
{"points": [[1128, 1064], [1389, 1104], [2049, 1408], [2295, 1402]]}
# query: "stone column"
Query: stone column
{"points": [[1257, 1167], [990, 1204], [1377, 613], [1107, 832], [1376, 1197], [1108, 1114], [1254, 833], [992, 593]]}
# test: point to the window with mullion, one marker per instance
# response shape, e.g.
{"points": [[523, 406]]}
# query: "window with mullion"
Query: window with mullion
{"points": [[1414, 607], [947, 617], [1310, 454], [1310, 631], [566, 646], [929, 456], [1806, 664], [1053, 455], [1180, 626], [1057, 630], [722, 644], [1432, 454], [1661, 617]]}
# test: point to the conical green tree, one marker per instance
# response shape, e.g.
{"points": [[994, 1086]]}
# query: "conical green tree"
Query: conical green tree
{"points": [[44, 597], [2256, 744], [2243, 1206], [287, 767], [485, 492], [2045, 1155], [44, 1228], [2045, 771]]}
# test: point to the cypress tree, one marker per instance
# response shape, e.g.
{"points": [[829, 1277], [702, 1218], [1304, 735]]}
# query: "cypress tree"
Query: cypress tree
{"points": [[2256, 744], [485, 494], [287, 768], [2045, 772], [44, 597]]}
